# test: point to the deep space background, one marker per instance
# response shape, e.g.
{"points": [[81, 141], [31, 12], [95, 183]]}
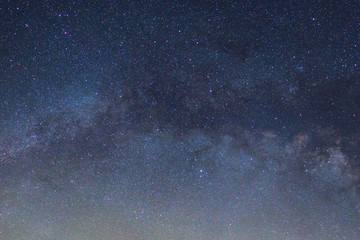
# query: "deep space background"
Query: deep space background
{"points": [[180, 120]]}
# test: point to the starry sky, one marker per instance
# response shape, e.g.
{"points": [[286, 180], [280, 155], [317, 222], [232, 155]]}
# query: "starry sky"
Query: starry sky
{"points": [[180, 120]]}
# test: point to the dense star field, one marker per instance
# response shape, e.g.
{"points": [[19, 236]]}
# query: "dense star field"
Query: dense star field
{"points": [[180, 120]]}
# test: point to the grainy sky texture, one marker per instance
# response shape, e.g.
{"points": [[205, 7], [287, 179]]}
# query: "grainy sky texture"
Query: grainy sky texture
{"points": [[180, 120]]}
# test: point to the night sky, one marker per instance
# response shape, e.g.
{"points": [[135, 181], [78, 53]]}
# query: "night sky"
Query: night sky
{"points": [[180, 120]]}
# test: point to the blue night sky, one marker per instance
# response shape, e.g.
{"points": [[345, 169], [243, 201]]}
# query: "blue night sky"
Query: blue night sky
{"points": [[180, 120]]}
